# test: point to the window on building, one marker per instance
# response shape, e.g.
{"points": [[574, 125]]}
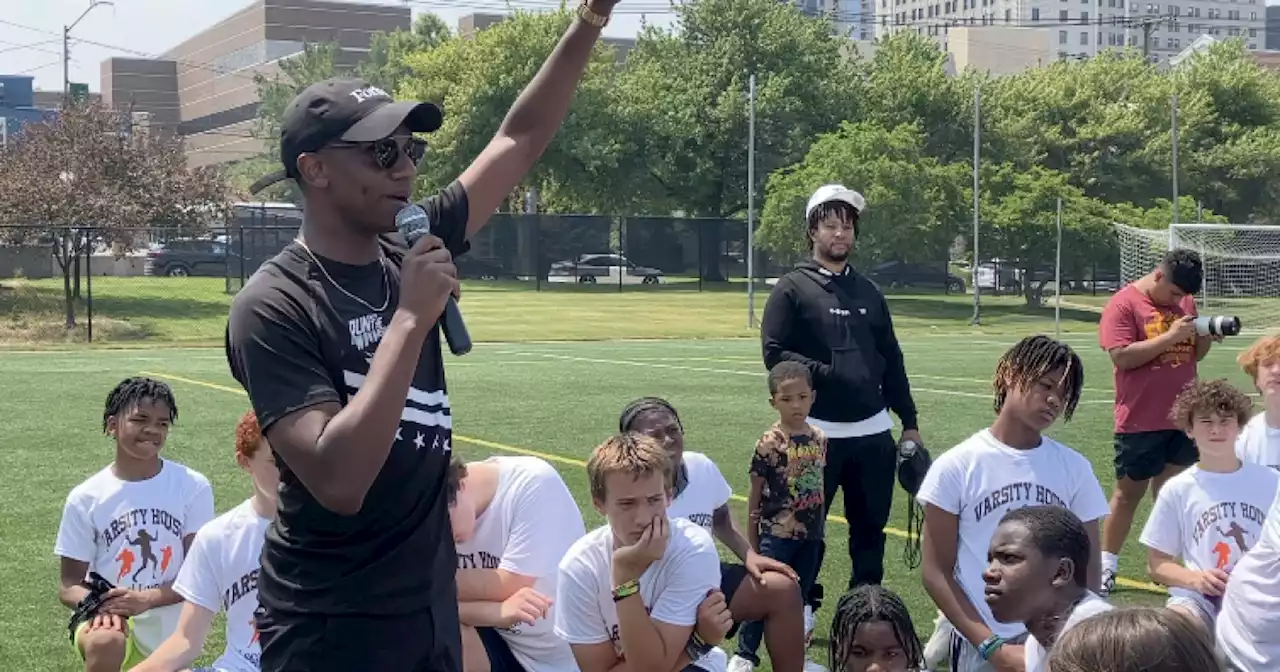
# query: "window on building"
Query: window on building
{"points": [[1062, 37], [1084, 39], [1062, 16], [1253, 32], [1084, 17], [1035, 13], [1008, 15]]}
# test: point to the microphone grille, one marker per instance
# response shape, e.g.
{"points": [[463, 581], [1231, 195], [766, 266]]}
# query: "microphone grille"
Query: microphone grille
{"points": [[413, 223]]}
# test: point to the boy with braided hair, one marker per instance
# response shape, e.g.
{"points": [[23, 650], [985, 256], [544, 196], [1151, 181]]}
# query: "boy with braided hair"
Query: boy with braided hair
{"points": [[141, 502], [1007, 466], [873, 627]]}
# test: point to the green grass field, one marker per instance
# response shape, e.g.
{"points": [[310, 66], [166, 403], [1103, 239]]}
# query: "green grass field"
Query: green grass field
{"points": [[524, 395]]}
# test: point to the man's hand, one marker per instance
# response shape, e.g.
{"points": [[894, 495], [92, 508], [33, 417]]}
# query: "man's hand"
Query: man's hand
{"points": [[911, 435], [124, 602], [629, 562], [525, 606], [1009, 658], [714, 619], [757, 565], [1211, 582], [427, 278], [1183, 329]]}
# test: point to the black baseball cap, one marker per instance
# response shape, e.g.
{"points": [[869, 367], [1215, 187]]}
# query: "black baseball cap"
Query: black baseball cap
{"points": [[345, 109]]}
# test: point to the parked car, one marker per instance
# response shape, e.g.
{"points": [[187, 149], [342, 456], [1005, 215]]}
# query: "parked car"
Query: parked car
{"points": [[603, 268], [189, 257], [905, 274]]}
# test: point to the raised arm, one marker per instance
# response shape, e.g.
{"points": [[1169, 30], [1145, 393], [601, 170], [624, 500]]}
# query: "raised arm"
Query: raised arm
{"points": [[532, 121]]}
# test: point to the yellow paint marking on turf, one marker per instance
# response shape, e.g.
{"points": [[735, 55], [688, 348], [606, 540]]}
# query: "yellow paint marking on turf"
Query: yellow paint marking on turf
{"points": [[551, 457]]}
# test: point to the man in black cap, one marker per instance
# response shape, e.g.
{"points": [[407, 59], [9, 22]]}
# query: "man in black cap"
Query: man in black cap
{"points": [[335, 341]]}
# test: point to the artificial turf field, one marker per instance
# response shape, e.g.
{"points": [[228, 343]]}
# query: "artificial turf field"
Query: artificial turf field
{"points": [[555, 400]]}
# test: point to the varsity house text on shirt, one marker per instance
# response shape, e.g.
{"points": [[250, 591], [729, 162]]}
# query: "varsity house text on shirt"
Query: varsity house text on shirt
{"points": [[1015, 492], [1226, 511]]}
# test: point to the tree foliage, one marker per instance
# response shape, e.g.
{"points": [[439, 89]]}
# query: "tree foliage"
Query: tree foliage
{"points": [[386, 65], [85, 172]]}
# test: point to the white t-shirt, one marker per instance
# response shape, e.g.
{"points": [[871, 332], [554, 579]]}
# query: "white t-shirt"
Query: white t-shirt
{"points": [[705, 492], [1248, 626], [1259, 443], [131, 533], [671, 588], [221, 574], [526, 529], [982, 479], [1037, 657], [1209, 519]]}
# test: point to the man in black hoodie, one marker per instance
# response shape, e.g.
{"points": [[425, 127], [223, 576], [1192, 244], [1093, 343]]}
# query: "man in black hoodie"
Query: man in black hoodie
{"points": [[831, 318]]}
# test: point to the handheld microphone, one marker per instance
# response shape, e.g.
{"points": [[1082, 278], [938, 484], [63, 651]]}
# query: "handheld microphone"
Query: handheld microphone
{"points": [[413, 223]]}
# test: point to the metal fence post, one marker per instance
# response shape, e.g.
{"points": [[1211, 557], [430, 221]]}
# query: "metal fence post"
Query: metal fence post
{"points": [[88, 283]]}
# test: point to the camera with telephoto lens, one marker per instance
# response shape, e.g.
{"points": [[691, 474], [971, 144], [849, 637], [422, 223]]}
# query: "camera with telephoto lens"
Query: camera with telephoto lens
{"points": [[1218, 325]]}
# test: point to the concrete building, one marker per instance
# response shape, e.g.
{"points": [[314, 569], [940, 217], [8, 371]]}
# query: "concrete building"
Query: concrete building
{"points": [[1272, 28], [17, 106], [1072, 29], [203, 88]]}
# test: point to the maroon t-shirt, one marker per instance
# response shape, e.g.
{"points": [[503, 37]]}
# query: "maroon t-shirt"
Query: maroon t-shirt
{"points": [[1144, 395]]}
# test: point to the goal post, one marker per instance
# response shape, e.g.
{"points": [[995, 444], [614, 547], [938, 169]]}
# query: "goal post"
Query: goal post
{"points": [[1241, 267]]}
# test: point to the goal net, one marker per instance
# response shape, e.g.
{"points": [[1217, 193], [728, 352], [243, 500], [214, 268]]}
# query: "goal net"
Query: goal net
{"points": [[1241, 267]]}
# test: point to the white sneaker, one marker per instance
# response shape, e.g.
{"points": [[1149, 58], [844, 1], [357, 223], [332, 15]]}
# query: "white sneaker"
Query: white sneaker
{"points": [[810, 666], [810, 623], [740, 664], [939, 645]]}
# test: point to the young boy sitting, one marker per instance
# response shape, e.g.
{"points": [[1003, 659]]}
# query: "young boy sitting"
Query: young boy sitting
{"points": [[1007, 466], [513, 520], [628, 593], [221, 572], [1038, 576], [131, 524], [1208, 516], [1259, 441], [785, 505]]}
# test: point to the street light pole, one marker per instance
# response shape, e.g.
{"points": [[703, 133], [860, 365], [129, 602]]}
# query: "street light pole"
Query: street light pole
{"points": [[66, 46]]}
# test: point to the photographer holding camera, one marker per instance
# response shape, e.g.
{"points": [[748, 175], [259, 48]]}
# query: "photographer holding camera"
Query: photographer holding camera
{"points": [[1151, 331]]}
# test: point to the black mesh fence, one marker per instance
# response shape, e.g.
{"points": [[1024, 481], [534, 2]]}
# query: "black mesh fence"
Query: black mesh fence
{"points": [[174, 284]]}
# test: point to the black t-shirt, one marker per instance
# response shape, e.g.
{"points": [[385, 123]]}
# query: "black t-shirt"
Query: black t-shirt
{"points": [[295, 340]]}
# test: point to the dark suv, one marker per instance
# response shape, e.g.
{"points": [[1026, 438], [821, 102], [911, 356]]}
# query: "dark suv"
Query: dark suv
{"points": [[187, 257]]}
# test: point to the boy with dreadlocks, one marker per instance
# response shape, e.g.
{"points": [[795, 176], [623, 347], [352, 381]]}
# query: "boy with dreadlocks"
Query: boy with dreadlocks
{"points": [[1210, 515], [873, 627], [130, 524], [1009, 465]]}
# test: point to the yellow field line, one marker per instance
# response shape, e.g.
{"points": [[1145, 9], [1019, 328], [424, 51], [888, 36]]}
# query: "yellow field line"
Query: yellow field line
{"points": [[551, 457]]}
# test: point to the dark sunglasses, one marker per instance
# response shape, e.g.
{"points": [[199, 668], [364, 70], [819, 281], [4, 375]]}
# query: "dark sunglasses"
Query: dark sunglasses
{"points": [[386, 151]]}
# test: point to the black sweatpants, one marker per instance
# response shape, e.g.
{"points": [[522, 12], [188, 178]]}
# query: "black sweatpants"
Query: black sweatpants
{"points": [[865, 468], [317, 643]]}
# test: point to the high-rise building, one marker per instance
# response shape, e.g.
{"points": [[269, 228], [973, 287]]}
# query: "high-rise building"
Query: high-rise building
{"points": [[203, 88], [1078, 28]]}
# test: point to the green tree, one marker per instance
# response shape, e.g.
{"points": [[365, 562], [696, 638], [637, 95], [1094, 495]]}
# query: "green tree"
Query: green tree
{"points": [[916, 205], [385, 67], [477, 80], [1020, 224], [683, 96]]}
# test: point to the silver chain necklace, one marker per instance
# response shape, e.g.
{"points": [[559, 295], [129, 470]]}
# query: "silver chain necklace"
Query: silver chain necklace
{"points": [[386, 281]]}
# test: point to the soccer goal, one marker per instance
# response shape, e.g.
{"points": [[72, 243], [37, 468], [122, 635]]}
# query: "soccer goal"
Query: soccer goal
{"points": [[1241, 267]]}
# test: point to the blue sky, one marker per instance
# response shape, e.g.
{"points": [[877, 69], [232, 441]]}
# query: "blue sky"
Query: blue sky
{"points": [[147, 27]]}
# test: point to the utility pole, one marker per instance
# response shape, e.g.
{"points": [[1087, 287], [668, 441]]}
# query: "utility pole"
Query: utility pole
{"points": [[1173, 133], [751, 202], [1149, 25], [66, 47], [977, 260]]}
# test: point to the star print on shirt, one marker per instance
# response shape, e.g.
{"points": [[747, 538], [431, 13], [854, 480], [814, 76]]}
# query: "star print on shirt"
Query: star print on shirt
{"points": [[419, 442], [398, 437]]}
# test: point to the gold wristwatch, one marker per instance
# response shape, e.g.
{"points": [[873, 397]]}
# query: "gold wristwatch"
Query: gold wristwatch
{"points": [[597, 20]]}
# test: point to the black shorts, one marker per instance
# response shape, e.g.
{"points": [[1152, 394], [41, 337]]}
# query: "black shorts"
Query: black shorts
{"points": [[499, 653], [315, 643], [731, 577], [1143, 455]]}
